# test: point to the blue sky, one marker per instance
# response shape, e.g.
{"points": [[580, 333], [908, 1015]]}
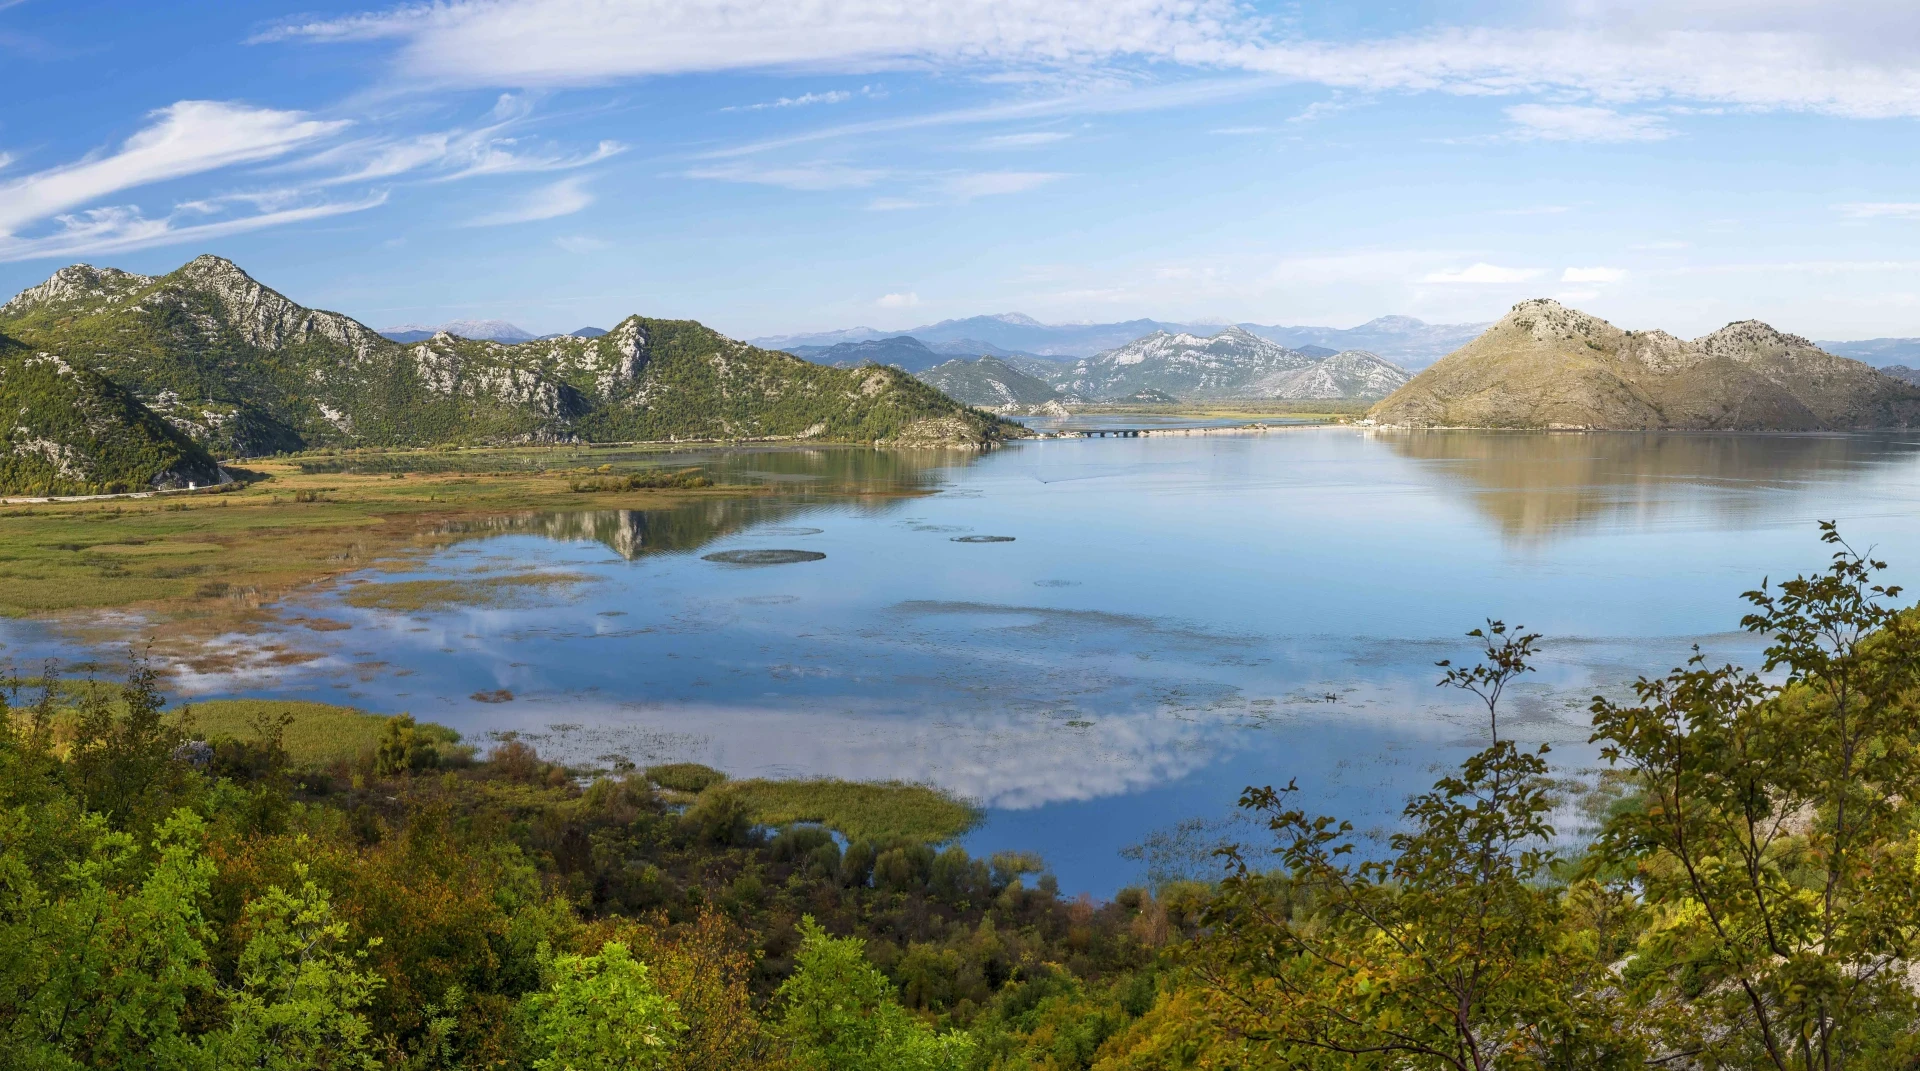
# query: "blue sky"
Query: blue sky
{"points": [[769, 167]]}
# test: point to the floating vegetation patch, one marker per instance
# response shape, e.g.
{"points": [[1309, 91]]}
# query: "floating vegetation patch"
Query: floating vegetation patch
{"points": [[767, 600], [861, 810], [762, 557], [495, 591], [498, 695], [982, 539], [785, 531], [1056, 583], [685, 776]]}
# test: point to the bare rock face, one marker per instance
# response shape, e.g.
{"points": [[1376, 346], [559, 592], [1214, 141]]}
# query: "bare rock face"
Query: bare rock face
{"points": [[265, 318], [1547, 366], [74, 283]]}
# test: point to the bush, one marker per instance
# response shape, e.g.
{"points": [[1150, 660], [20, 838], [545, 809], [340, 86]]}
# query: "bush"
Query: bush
{"points": [[404, 748], [722, 818]]}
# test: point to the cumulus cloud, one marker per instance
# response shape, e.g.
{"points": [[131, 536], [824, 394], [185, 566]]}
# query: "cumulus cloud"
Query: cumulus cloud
{"points": [[562, 198], [1572, 122], [1592, 275], [904, 300], [1481, 273]]}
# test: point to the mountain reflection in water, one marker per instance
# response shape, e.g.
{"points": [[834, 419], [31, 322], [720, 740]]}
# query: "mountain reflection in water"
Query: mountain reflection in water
{"points": [[1539, 485]]}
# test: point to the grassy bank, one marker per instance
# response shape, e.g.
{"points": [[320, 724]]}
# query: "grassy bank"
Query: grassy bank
{"points": [[225, 555]]}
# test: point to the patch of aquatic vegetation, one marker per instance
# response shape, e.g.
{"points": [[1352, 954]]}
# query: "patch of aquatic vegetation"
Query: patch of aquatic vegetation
{"points": [[314, 734], [762, 557], [878, 811], [685, 776], [407, 596], [650, 480]]}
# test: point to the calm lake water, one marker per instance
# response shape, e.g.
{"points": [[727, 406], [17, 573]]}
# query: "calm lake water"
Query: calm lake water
{"points": [[1172, 619]]}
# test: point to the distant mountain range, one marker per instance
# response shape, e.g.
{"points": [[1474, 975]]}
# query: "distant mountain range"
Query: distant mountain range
{"points": [[1547, 366], [1232, 363], [485, 330], [1878, 352], [230, 366], [1400, 339]]}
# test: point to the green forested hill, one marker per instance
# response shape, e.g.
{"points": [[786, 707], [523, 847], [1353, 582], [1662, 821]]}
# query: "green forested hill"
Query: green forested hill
{"points": [[244, 370], [70, 431]]}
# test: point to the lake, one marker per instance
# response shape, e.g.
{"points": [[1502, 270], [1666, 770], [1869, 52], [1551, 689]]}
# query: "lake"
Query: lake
{"points": [[1163, 622]]}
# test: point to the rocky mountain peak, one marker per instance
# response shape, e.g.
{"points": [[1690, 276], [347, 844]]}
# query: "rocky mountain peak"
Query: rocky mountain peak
{"points": [[1748, 340], [76, 282], [1546, 320]]}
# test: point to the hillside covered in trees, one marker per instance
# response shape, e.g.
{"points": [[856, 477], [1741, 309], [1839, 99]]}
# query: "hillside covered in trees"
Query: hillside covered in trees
{"points": [[243, 370], [1749, 902]]}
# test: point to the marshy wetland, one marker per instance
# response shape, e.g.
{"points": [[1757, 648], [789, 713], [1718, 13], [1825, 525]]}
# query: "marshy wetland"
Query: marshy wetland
{"points": [[1152, 625]]}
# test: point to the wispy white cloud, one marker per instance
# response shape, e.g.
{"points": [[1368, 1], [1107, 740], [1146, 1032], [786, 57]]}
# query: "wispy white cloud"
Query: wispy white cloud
{"points": [[832, 96], [796, 177], [1573, 122], [1880, 210], [1026, 140], [1593, 275], [186, 138], [994, 183], [904, 300], [1481, 273], [562, 198], [122, 228], [1852, 59], [576, 42], [1318, 110]]}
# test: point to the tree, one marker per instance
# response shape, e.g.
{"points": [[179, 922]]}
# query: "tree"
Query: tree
{"points": [[599, 1013], [403, 748], [841, 1014], [297, 1005], [1774, 843], [1451, 951]]}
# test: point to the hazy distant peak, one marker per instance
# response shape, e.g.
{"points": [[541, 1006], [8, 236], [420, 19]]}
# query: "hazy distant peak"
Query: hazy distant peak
{"points": [[483, 330], [1018, 319]]}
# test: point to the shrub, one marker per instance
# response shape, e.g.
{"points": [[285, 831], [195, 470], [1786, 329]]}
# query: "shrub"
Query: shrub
{"points": [[404, 748]]}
